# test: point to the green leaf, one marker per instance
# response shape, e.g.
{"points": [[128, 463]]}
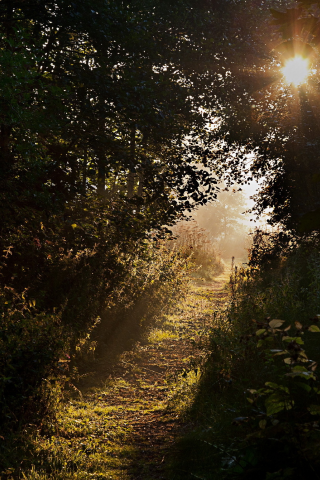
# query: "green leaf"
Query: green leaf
{"points": [[298, 340], [304, 386], [276, 403], [261, 331], [275, 386], [306, 375], [262, 424], [314, 409], [299, 368], [314, 328], [272, 385], [276, 323]]}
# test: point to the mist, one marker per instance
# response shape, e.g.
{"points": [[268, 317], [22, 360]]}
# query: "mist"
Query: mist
{"points": [[228, 222]]}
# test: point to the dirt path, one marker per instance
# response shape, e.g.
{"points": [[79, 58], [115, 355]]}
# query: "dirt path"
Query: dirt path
{"points": [[126, 421]]}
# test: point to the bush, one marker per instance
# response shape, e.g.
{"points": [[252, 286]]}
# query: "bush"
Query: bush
{"points": [[272, 312], [256, 414], [43, 330], [31, 344]]}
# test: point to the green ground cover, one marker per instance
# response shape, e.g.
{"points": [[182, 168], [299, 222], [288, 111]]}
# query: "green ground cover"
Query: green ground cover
{"points": [[126, 424]]}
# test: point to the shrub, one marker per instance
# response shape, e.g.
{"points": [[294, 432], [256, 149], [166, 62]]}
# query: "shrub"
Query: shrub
{"points": [[42, 329], [256, 413], [272, 312]]}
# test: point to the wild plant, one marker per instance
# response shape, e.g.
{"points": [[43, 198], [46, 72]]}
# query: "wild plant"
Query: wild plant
{"points": [[273, 314], [194, 243]]}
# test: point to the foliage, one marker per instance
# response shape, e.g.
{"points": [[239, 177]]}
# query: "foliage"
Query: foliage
{"points": [[273, 126], [96, 99], [42, 355], [116, 119], [84, 438], [96, 102], [195, 245], [256, 411]]}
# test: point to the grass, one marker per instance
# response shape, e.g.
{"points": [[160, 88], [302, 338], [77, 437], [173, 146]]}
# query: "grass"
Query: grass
{"points": [[121, 418], [275, 434], [124, 425], [194, 243], [193, 398]]}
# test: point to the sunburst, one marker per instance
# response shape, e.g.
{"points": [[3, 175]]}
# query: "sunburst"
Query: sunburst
{"points": [[296, 70]]}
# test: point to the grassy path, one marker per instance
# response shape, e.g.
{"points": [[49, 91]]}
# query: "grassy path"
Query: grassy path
{"points": [[124, 424]]}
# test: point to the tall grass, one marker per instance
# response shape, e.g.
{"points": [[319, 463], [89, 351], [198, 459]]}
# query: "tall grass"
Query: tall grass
{"points": [[257, 412], [195, 244]]}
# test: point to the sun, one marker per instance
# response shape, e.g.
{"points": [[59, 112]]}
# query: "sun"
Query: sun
{"points": [[296, 70]]}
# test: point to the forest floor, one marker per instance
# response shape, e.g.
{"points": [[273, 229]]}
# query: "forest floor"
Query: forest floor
{"points": [[123, 422]]}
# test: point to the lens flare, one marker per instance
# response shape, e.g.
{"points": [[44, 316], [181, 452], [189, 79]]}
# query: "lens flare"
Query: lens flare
{"points": [[296, 70]]}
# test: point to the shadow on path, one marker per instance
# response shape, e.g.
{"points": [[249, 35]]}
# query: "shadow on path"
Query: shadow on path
{"points": [[140, 376]]}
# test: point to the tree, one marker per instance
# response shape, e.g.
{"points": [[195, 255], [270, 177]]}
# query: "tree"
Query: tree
{"points": [[104, 132], [272, 127], [83, 92]]}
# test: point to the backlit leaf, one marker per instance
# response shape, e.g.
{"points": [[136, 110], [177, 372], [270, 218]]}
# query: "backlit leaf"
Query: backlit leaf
{"points": [[298, 340], [314, 409], [314, 328], [262, 424], [288, 361], [276, 323], [275, 403], [261, 331]]}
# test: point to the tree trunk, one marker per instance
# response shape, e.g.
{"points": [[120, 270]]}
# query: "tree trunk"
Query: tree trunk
{"points": [[101, 187]]}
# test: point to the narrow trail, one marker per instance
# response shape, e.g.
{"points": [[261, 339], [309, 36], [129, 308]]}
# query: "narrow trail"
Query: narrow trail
{"points": [[125, 423]]}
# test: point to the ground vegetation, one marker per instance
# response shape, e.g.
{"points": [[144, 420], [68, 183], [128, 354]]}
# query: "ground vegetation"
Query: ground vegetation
{"points": [[117, 118], [256, 411]]}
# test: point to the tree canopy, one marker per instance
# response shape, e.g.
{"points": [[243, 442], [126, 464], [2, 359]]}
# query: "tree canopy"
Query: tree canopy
{"points": [[273, 125]]}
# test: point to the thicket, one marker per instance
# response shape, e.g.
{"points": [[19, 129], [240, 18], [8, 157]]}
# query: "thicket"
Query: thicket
{"points": [[116, 118], [93, 116], [257, 411], [105, 111]]}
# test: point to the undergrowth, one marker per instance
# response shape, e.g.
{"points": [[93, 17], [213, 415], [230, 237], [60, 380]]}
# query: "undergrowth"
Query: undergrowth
{"points": [[42, 354], [256, 412], [195, 244]]}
